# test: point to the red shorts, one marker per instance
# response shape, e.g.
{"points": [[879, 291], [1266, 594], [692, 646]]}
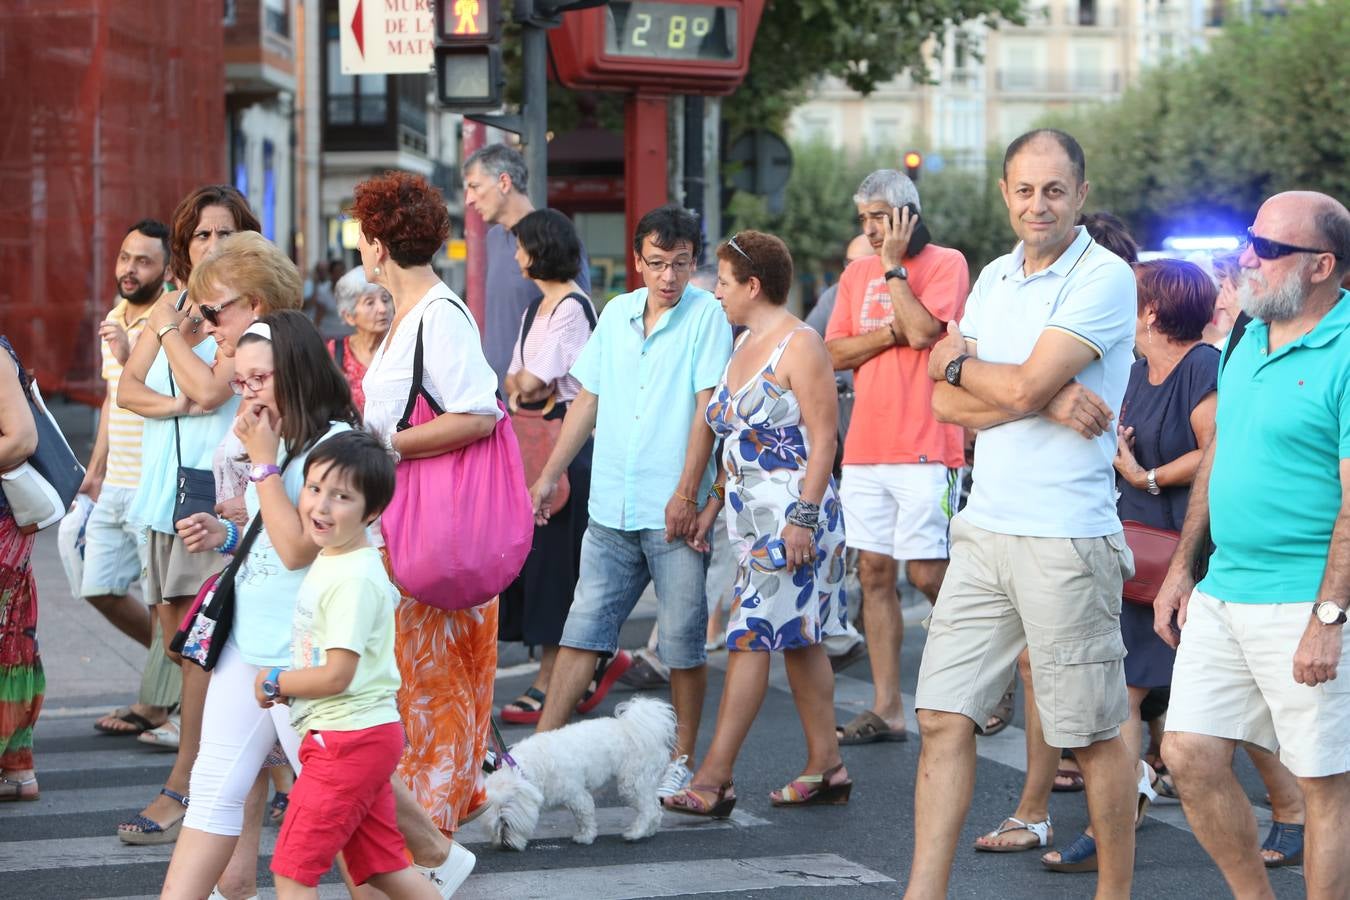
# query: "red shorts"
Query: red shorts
{"points": [[343, 802]]}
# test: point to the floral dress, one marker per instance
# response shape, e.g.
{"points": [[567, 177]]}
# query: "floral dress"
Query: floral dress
{"points": [[765, 449]]}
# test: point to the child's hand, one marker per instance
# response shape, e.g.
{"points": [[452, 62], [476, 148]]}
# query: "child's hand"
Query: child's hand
{"points": [[263, 700]]}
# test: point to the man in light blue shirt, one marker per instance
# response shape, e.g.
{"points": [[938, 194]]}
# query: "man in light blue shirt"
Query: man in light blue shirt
{"points": [[647, 375], [1264, 657]]}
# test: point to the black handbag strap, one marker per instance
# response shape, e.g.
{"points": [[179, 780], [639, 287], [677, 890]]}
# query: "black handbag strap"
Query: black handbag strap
{"points": [[177, 438], [249, 536], [1239, 329], [416, 389]]}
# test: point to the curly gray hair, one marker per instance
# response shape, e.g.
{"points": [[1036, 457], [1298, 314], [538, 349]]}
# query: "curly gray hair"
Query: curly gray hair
{"points": [[350, 288], [893, 188]]}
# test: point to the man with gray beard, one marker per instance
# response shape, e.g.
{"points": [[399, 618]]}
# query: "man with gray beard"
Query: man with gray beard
{"points": [[1262, 636]]}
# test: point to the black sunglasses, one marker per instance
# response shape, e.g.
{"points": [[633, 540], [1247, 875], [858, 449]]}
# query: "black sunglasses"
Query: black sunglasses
{"points": [[212, 313], [1265, 248]]}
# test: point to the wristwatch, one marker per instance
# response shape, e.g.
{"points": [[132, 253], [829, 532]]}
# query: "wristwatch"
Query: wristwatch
{"points": [[953, 373], [261, 472], [898, 272], [271, 686], [1151, 476], [1329, 612]]}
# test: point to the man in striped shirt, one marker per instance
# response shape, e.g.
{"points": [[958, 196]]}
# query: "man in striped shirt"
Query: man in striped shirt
{"points": [[112, 556]]}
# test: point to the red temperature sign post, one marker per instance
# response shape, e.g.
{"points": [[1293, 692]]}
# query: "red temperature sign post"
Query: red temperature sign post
{"points": [[650, 50]]}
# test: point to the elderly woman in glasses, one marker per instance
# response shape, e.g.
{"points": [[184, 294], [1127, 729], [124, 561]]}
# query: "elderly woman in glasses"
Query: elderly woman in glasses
{"points": [[368, 309]]}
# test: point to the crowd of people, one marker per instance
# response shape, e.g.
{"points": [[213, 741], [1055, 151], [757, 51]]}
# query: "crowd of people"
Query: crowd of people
{"points": [[687, 439]]}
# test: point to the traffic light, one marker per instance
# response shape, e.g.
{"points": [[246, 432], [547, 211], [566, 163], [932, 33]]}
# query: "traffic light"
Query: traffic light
{"points": [[468, 58], [913, 160]]}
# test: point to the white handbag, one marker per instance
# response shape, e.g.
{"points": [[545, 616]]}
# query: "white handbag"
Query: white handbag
{"points": [[40, 490]]}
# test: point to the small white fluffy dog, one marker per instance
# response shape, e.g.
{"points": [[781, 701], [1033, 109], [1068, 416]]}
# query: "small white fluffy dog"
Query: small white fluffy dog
{"points": [[561, 768]]}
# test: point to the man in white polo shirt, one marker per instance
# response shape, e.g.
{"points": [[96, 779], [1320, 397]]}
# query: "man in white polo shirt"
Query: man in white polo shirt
{"points": [[1038, 558]]}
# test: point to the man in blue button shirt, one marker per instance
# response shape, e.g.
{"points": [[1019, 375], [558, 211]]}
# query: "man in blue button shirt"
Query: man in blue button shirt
{"points": [[647, 375], [1263, 650]]}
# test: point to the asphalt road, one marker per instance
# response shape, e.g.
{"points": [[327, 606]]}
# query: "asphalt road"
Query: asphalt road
{"points": [[64, 845]]}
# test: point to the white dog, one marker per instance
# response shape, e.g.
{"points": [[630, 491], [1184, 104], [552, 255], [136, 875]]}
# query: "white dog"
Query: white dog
{"points": [[561, 768]]}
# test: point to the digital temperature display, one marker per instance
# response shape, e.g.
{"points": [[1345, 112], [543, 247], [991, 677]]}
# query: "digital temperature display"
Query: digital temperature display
{"points": [[670, 30]]}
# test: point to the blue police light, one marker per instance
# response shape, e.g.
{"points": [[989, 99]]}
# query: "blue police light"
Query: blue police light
{"points": [[1194, 243]]}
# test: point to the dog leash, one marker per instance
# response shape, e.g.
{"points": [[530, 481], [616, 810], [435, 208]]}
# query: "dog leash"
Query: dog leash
{"points": [[503, 754]]}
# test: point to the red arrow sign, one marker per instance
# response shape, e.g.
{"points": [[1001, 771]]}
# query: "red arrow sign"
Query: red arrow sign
{"points": [[358, 30]]}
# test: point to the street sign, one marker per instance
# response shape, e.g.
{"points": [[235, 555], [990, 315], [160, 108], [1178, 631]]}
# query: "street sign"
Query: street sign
{"points": [[380, 37], [765, 162]]}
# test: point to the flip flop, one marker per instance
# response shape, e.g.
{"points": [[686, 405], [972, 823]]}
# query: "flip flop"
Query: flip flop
{"points": [[869, 728], [606, 674], [1042, 831], [525, 709], [139, 723]]}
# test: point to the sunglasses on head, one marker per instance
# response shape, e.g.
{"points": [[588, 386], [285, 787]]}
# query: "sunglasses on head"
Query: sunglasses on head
{"points": [[1265, 248], [212, 313]]}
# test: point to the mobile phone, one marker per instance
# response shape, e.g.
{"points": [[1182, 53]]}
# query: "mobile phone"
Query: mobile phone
{"points": [[920, 238], [776, 552], [182, 301]]}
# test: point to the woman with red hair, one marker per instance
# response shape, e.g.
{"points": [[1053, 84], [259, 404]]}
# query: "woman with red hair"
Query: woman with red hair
{"points": [[448, 659]]}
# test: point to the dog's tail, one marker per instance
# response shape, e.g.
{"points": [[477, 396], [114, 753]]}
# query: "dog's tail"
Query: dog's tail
{"points": [[650, 722]]}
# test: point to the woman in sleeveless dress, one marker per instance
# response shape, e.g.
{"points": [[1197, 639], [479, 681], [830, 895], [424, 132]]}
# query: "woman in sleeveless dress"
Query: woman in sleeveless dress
{"points": [[776, 410]]}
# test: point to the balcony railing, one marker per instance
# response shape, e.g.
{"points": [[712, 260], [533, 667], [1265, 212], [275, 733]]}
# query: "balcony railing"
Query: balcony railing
{"points": [[1046, 81]]}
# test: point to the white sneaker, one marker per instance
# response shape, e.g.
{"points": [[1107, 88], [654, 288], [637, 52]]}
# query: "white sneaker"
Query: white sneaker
{"points": [[677, 778], [449, 875]]}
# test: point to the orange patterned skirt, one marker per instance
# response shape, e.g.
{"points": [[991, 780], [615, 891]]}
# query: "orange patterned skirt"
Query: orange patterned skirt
{"points": [[448, 661]]}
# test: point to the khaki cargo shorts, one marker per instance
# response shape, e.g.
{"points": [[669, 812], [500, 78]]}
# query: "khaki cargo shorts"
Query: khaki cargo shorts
{"points": [[172, 572], [1061, 598]]}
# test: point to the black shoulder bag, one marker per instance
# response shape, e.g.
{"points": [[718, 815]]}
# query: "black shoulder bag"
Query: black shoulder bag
{"points": [[195, 490]]}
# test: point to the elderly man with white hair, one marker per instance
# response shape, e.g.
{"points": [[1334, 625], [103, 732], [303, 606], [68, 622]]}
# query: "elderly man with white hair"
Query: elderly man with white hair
{"points": [[368, 309], [900, 470]]}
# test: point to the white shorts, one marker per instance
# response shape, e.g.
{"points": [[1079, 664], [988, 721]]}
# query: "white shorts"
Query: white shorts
{"points": [[900, 510], [1234, 679]]}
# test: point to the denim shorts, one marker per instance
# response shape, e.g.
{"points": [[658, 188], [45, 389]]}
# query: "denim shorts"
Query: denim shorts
{"points": [[113, 551], [616, 567]]}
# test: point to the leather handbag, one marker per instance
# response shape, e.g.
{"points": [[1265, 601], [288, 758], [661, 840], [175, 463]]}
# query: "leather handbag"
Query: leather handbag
{"points": [[1152, 549], [194, 489], [40, 490], [460, 524], [206, 627], [538, 426]]}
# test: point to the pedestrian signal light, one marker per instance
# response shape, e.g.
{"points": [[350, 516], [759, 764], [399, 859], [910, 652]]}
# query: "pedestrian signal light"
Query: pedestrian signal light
{"points": [[468, 22], [469, 78], [913, 160]]}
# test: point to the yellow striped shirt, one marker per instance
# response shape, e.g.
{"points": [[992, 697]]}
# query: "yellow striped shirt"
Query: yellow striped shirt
{"points": [[124, 426]]}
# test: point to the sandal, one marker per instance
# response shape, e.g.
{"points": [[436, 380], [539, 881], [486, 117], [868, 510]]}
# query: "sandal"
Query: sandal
{"points": [[165, 737], [280, 800], [1286, 839], [1002, 715], [525, 709], [18, 793], [1080, 856], [1042, 831], [807, 790], [142, 830], [137, 723], [607, 671], [1146, 794], [690, 802], [1074, 777], [868, 728]]}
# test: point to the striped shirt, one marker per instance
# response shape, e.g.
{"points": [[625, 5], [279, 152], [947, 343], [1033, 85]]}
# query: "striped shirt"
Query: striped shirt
{"points": [[553, 345], [124, 426]]}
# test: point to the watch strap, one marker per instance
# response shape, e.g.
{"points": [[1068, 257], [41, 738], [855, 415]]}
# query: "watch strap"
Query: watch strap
{"points": [[262, 472], [898, 272]]}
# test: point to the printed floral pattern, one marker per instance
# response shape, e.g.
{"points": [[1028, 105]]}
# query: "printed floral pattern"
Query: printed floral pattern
{"points": [[764, 454]]}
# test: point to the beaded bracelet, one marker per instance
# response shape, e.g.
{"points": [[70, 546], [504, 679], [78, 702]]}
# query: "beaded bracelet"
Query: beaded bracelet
{"points": [[717, 490], [231, 538]]}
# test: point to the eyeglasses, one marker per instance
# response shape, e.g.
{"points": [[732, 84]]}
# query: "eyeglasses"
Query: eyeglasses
{"points": [[212, 313], [659, 266], [1265, 248], [253, 382], [737, 247]]}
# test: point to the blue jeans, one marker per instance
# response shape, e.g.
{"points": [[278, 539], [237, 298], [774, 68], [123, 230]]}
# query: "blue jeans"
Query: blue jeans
{"points": [[616, 567]]}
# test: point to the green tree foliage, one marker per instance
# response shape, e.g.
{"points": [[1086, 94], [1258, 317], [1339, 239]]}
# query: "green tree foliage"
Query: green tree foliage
{"points": [[963, 209], [1197, 145], [864, 42]]}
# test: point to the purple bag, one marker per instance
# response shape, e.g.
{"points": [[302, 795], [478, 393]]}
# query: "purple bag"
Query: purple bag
{"points": [[460, 524]]}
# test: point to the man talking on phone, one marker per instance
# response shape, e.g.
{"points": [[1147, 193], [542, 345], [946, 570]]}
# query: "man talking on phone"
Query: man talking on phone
{"points": [[901, 466]]}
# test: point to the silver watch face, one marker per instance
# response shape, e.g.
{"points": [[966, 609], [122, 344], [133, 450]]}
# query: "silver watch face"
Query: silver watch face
{"points": [[1327, 612]]}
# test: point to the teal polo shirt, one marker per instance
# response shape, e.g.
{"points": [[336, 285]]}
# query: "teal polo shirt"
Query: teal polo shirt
{"points": [[1275, 489], [646, 385]]}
